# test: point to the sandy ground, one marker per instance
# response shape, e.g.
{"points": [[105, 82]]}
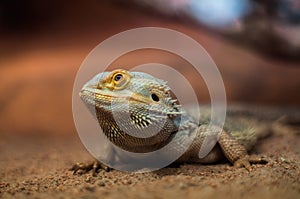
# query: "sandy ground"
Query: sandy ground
{"points": [[37, 167]]}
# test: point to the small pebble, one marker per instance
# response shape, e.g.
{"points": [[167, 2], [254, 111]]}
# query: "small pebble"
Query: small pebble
{"points": [[100, 183]]}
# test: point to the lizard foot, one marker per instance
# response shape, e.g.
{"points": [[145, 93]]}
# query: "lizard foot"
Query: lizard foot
{"points": [[247, 160], [95, 167]]}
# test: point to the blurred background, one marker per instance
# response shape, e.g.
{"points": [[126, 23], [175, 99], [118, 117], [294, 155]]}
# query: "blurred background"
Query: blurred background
{"points": [[255, 44]]}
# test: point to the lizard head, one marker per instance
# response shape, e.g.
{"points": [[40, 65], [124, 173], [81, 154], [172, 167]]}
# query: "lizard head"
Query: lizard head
{"points": [[123, 100]]}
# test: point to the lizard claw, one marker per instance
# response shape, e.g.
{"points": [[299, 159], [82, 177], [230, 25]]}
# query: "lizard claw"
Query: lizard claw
{"points": [[247, 160], [95, 166]]}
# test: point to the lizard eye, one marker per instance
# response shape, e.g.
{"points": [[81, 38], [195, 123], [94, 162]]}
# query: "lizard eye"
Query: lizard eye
{"points": [[154, 97], [118, 77]]}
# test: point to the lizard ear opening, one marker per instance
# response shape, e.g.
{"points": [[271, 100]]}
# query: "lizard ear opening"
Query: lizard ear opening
{"points": [[154, 97]]}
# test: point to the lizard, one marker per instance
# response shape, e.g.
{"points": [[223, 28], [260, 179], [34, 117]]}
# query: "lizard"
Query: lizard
{"points": [[150, 99]]}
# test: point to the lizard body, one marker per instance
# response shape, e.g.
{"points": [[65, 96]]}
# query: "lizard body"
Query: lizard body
{"points": [[148, 101]]}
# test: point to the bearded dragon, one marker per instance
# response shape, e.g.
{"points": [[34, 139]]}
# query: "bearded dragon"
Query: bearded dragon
{"points": [[147, 101]]}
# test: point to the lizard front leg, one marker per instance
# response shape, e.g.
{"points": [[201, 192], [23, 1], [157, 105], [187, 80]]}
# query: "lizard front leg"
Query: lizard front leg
{"points": [[224, 145], [237, 153]]}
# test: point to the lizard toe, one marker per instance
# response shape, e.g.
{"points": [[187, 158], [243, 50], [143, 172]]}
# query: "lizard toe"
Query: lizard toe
{"points": [[255, 159], [247, 160], [95, 167], [243, 162]]}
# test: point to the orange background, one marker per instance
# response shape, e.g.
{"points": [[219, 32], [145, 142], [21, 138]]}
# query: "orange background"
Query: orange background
{"points": [[40, 55]]}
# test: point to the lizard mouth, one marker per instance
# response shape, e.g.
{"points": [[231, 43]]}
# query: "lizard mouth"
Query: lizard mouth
{"points": [[95, 96], [89, 96]]}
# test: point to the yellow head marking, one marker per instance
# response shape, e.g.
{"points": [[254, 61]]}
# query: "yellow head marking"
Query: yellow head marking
{"points": [[116, 80]]}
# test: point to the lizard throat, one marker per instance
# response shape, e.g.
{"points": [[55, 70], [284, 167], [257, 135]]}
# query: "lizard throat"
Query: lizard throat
{"points": [[130, 143]]}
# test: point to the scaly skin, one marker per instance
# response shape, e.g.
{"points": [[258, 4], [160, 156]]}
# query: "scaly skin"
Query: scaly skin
{"points": [[149, 102]]}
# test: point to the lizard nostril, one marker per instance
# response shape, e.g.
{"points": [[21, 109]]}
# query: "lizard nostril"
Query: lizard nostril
{"points": [[154, 97]]}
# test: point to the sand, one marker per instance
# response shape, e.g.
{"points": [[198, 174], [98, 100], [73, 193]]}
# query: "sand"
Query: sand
{"points": [[35, 166]]}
